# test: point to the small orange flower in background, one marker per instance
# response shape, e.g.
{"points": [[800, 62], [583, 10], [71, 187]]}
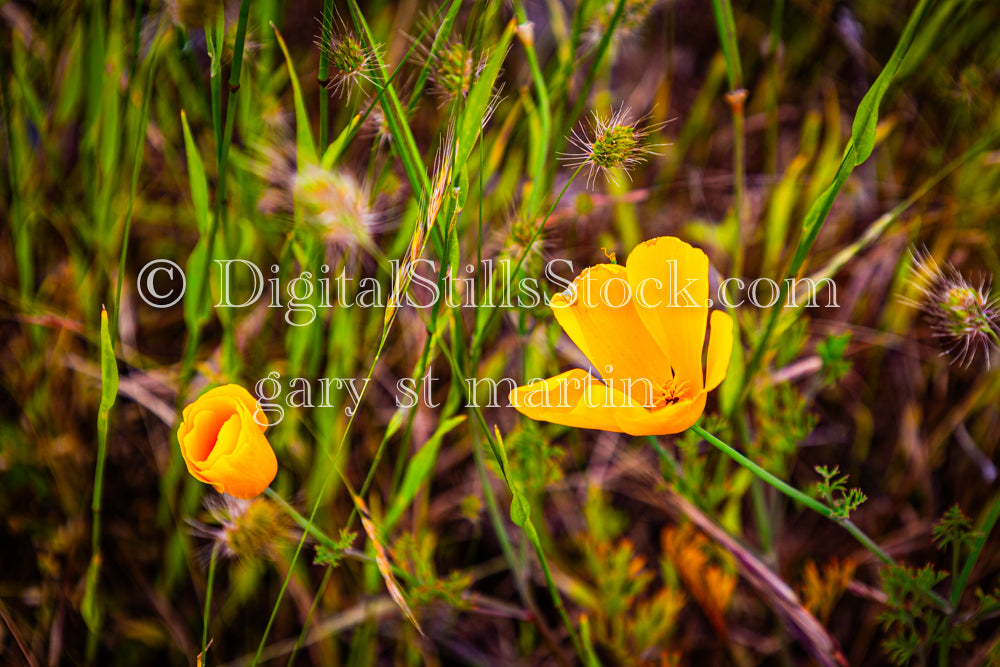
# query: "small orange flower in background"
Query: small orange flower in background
{"points": [[223, 444], [643, 327]]}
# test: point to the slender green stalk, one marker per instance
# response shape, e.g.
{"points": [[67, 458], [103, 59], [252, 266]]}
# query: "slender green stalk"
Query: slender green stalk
{"points": [[277, 603], [520, 260], [90, 606], [18, 222], [234, 87], [208, 604], [307, 623], [214, 37], [823, 509], [303, 523], [323, 76], [140, 142], [774, 53], [439, 38], [794, 494], [308, 525], [557, 602], [588, 82], [498, 523], [737, 104], [736, 99], [394, 113], [958, 587], [544, 112], [726, 25], [550, 584], [221, 209], [859, 148]]}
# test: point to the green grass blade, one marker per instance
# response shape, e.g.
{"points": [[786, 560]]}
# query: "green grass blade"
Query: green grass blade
{"points": [[418, 472], [866, 118], [196, 178], [478, 101], [303, 134], [395, 115], [726, 25], [90, 607]]}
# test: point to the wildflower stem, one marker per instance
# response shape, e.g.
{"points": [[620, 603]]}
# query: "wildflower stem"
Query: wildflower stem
{"points": [[323, 76], [496, 518], [795, 494], [829, 513], [304, 523], [977, 547], [303, 633], [544, 115], [208, 603], [520, 261], [602, 48], [737, 104], [140, 137]]}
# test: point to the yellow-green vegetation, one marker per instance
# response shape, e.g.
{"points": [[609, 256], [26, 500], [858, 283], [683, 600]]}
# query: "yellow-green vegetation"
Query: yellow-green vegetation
{"points": [[364, 218]]}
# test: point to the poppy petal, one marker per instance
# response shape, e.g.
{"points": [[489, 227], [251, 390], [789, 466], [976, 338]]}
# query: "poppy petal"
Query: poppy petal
{"points": [[669, 279], [720, 347], [235, 391], [575, 398], [672, 418], [600, 318], [250, 469]]}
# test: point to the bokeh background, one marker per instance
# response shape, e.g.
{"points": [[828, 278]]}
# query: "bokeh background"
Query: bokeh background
{"points": [[117, 119]]}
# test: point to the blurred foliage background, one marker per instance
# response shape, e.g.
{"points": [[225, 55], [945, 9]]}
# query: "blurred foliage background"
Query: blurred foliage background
{"points": [[270, 131]]}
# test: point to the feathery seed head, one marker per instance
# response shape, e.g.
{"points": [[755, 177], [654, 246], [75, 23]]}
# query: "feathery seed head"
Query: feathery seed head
{"points": [[244, 529], [350, 62], [634, 15], [612, 143], [334, 205], [957, 311]]}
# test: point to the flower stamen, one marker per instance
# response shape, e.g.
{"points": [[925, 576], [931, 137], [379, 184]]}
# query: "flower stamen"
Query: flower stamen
{"points": [[668, 392]]}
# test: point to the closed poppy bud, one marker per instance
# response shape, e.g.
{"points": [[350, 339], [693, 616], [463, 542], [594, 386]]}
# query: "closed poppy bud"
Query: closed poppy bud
{"points": [[223, 444]]}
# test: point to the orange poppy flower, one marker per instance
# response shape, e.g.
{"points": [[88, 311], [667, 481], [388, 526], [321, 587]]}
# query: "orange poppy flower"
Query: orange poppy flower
{"points": [[223, 444], [643, 328]]}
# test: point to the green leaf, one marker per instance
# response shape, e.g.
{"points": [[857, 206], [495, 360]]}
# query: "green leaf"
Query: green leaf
{"points": [[478, 100], [303, 134], [520, 511], [109, 374], [90, 608], [417, 472], [196, 177], [866, 118], [726, 25], [194, 307]]}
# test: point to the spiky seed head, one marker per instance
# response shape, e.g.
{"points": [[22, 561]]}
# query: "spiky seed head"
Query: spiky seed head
{"points": [[334, 205], [350, 61], [613, 146], [346, 56], [244, 529], [376, 125], [958, 312], [454, 70], [523, 241], [634, 15], [612, 143]]}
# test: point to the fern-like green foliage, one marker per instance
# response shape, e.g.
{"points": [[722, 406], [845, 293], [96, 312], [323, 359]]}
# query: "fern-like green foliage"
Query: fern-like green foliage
{"points": [[332, 556], [915, 625], [833, 489]]}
